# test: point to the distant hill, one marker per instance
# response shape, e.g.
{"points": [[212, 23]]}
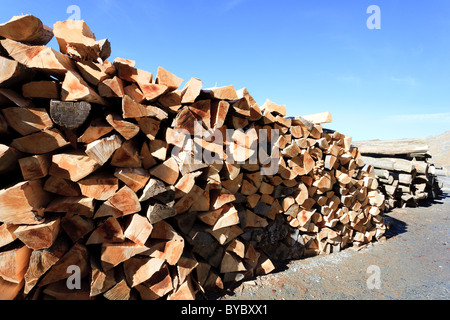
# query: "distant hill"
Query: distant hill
{"points": [[440, 148]]}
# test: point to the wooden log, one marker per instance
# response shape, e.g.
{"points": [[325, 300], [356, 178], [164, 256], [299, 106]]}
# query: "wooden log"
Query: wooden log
{"points": [[40, 58], [20, 203], [274, 108], [14, 264], [73, 165], [94, 72], [26, 29], [8, 158], [391, 147], [138, 229], [39, 236], [323, 117], [167, 171], [101, 150], [76, 39], [168, 79], [79, 205], [127, 129], [76, 226], [35, 167], [27, 120], [120, 291], [152, 92], [108, 231], [70, 115], [129, 73], [13, 72], [389, 163], [111, 88], [132, 109], [127, 156], [221, 93], [74, 88], [77, 255], [99, 186], [140, 269], [96, 129], [114, 253], [41, 90], [191, 90]]}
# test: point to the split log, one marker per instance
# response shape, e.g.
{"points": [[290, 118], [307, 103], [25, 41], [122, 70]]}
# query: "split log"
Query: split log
{"points": [[13, 72], [41, 236], [27, 29], [23, 203], [27, 120], [41, 90]]}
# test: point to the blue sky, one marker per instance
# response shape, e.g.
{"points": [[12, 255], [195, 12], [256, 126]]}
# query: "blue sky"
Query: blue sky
{"points": [[312, 56]]}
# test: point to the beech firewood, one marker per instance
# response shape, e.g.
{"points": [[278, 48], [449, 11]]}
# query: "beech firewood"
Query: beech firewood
{"points": [[127, 129], [109, 231], [20, 203], [101, 150], [35, 167], [96, 129], [94, 72], [111, 88], [39, 58], [120, 291], [114, 253], [26, 29], [7, 234], [76, 39], [126, 71], [41, 89], [14, 264], [62, 187], [127, 156], [140, 269], [8, 158], [13, 72], [80, 205], [191, 90], [170, 100], [39, 236], [152, 91], [138, 229], [72, 165], [76, 226], [221, 93], [27, 120], [167, 171], [75, 88], [135, 178], [168, 79], [77, 255]]}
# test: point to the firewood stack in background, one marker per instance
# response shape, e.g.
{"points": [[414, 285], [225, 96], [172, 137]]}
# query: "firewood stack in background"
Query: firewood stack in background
{"points": [[91, 183], [405, 170]]}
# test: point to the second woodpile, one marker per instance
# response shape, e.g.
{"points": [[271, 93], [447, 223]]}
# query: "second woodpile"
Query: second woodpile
{"points": [[91, 182], [405, 171]]}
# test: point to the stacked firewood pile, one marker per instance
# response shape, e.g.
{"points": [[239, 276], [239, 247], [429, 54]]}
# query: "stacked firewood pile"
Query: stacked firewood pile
{"points": [[99, 179], [404, 169]]}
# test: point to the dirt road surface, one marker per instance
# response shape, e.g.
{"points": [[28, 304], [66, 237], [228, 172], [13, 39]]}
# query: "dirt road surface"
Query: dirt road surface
{"points": [[413, 263]]}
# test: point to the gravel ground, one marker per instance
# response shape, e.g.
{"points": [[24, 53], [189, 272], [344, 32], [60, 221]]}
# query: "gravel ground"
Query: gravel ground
{"points": [[413, 263]]}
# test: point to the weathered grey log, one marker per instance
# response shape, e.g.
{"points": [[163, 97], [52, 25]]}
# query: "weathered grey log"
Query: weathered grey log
{"points": [[381, 173], [393, 164], [70, 115], [440, 172], [422, 167], [392, 147], [158, 212]]}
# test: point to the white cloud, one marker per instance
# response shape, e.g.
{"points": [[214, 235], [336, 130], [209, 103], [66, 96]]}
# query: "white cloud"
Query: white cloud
{"points": [[232, 4], [407, 80]]}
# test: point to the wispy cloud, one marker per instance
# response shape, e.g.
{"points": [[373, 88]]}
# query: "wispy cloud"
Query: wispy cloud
{"points": [[410, 81], [351, 79], [232, 4]]}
